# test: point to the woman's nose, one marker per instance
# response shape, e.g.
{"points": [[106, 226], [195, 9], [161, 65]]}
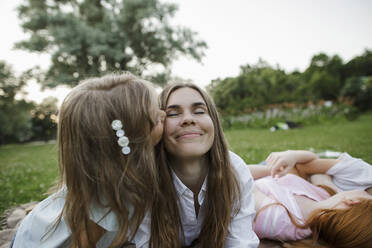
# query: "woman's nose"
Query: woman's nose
{"points": [[187, 118]]}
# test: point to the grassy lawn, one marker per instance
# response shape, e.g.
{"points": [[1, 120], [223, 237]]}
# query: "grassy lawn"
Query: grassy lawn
{"points": [[27, 171], [355, 137]]}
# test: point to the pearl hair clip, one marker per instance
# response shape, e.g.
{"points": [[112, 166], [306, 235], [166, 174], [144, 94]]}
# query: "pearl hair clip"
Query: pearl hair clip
{"points": [[123, 140]]}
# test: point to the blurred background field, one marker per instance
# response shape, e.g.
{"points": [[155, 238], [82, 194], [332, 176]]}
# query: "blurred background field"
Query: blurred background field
{"points": [[28, 170]]}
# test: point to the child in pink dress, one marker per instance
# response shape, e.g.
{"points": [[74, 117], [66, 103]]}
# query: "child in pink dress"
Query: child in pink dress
{"points": [[274, 221], [289, 208]]}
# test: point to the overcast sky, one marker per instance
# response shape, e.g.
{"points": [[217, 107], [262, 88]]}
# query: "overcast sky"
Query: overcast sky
{"points": [[283, 32]]}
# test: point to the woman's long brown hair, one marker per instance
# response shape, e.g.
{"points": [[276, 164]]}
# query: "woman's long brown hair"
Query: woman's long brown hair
{"points": [[223, 193], [91, 164]]}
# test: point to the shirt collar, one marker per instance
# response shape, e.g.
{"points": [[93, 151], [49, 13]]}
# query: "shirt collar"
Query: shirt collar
{"points": [[181, 188]]}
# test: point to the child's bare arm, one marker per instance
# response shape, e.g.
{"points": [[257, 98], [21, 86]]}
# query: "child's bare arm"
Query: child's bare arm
{"points": [[316, 166], [259, 171], [323, 179], [280, 163]]}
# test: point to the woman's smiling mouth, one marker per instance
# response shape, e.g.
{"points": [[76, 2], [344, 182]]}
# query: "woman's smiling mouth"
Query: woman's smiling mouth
{"points": [[187, 135]]}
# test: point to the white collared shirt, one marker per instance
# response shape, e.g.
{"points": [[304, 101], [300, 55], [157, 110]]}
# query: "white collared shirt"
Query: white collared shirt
{"points": [[240, 232], [190, 222]]}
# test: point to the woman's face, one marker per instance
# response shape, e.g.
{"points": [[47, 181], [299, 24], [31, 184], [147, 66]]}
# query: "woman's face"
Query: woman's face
{"points": [[188, 128]]}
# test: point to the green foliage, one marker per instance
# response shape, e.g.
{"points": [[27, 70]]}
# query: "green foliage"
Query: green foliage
{"points": [[324, 76], [44, 120], [15, 118], [255, 87], [303, 115], [260, 86], [20, 120], [359, 89], [90, 38], [359, 66]]}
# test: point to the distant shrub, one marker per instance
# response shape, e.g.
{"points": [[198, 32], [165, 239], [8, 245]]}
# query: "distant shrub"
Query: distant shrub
{"points": [[302, 114]]}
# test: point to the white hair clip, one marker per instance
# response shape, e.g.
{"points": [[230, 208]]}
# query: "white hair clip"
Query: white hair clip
{"points": [[123, 140]]}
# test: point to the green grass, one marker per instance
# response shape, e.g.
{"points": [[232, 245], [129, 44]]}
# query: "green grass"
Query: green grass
{"points": [[354, 137], [27, 171]]}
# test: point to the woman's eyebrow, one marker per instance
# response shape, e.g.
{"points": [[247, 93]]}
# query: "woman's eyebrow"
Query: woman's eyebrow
{"points": [[195, 104], [174, 106]]}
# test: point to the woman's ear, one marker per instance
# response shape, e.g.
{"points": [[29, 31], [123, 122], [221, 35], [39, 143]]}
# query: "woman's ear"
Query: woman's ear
{"points": [[350, 202]]}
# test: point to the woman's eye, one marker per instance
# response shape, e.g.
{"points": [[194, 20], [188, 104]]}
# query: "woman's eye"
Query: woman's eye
{"points": [[199, 111], [170, 114]]}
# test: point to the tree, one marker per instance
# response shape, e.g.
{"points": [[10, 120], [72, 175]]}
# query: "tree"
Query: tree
{"points": [[44, 119], [359, 90], [91, 37], [255, 87], [15, 118], [324, 77], [359, 65]]}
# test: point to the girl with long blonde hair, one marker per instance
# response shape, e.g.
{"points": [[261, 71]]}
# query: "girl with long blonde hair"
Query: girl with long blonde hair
{"points": [[107, 130]]}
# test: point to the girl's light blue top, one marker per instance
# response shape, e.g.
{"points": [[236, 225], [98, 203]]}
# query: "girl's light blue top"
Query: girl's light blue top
{"points": [[37, 230]]}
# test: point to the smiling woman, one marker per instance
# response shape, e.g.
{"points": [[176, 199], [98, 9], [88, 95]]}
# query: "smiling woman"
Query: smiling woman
{"points": [[189, 130], [207, 190]]}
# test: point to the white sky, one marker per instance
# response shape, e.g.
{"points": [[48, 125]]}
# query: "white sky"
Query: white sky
{"points": [[284, 32]]}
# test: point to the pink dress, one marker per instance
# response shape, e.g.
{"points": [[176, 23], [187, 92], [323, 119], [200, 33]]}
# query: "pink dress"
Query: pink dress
{"points": [[274, 222]]}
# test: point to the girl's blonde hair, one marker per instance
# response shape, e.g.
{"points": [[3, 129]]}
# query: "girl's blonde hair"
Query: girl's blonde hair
{"points": [[91, 163], [223, 193]]}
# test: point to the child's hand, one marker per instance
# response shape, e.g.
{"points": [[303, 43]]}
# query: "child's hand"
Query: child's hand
{"points": [[280, 163]]}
